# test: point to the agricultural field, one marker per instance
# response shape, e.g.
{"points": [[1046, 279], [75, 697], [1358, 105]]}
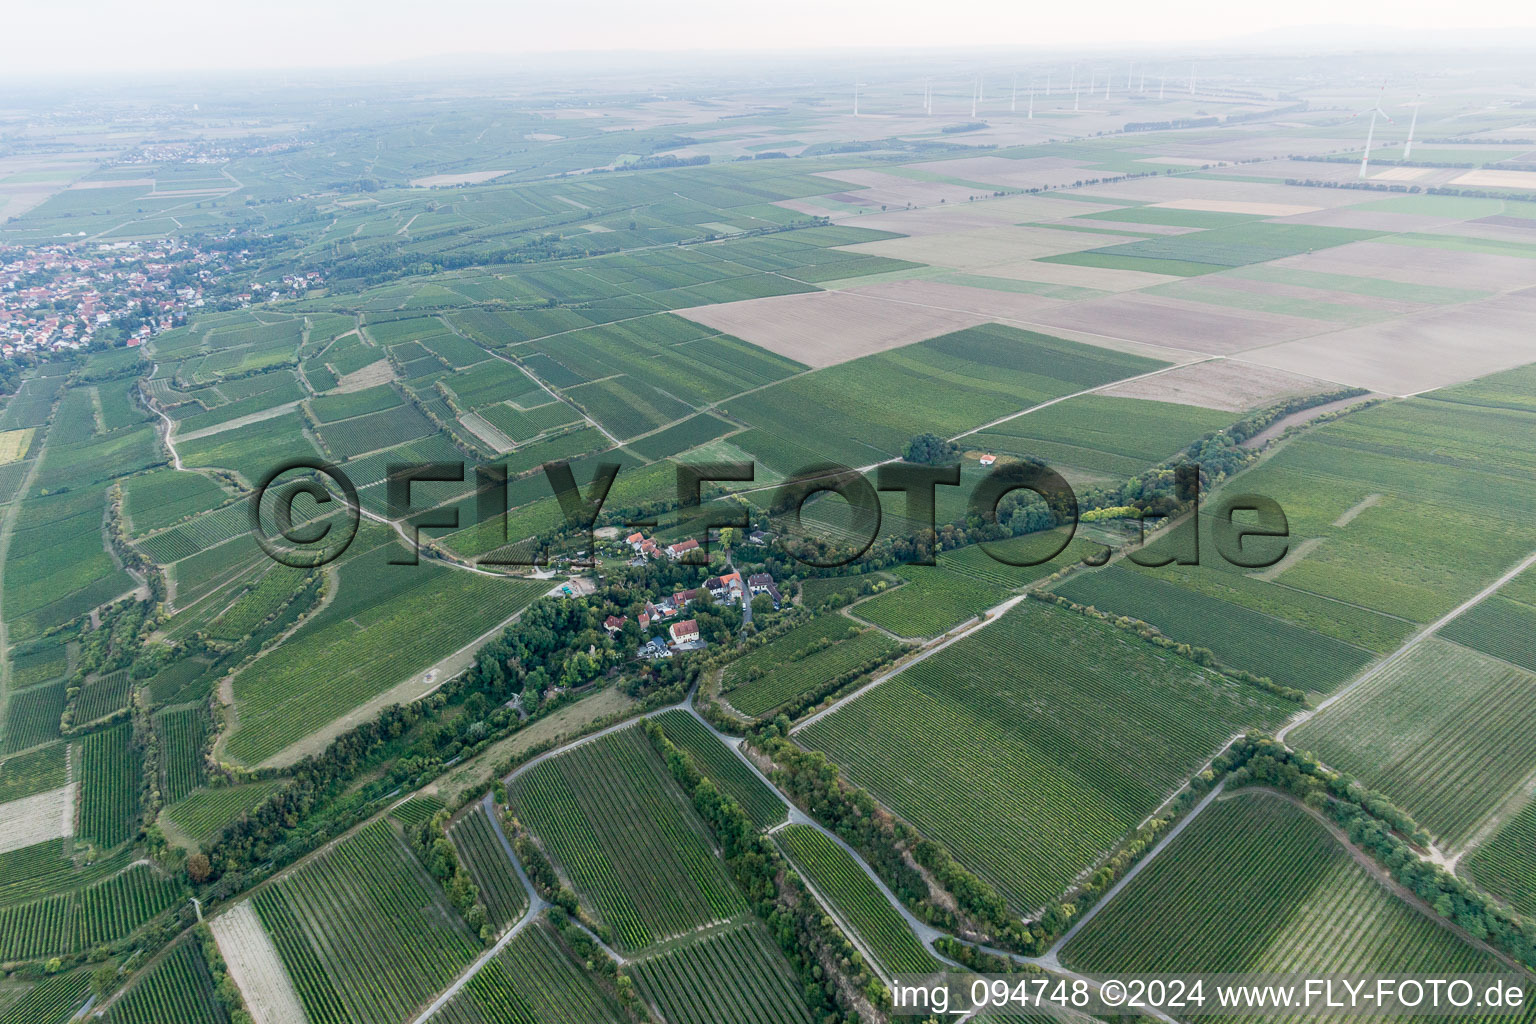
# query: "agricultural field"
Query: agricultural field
{"points": [[947, 384], [1446, 733], [102, 697], [531, 981], [181, 733], [482, 850], [1505, 865], [829, 647], [1241, 638], [36, 771], [1058, 731], [1257, 884], [1116, 437], [368, 912], [931, 600], [857, 900], [734, 974], [204, 812], [177, 988], [109, 786], [724, 768], [610, 816]]}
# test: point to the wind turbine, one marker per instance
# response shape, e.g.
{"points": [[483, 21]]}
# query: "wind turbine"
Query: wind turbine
{"points": [[1162, 85], [1408, 146], [1191, 78], [1130, 76], [1370, 134], [1013, 103], [1108, 77], [1031, 102], [856, 85], [975, 87]]}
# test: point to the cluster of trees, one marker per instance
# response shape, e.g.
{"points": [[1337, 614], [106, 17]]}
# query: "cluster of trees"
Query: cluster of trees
{"points": [[931, 450], [225, 991], [1388, 834], [832, 972], [437, 852]]}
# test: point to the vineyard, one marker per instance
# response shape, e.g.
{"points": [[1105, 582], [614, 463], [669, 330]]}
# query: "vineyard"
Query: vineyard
{"points": [[417, 810], [829, 646], [933, 600], [370, 638], [32, 716], [109, 786], [857, 900], [735, 974], [611, 816], [36, 771], [1506, 864], [370, 914], [50, 999], [1240, 638], [181, 751], [106, 696], [204, 812], [726, 770], [178, 988], [531, 981], [1498, 626], [1446, 733], [482, 851], [99, 913], [1257, 884], [1030, 746]]}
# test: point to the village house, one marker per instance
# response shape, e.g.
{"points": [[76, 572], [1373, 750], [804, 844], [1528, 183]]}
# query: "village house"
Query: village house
{"points": [[684, 632], [614, 624], [681, 548]]}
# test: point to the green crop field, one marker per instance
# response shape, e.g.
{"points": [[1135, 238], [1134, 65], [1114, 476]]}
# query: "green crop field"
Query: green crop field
{"points": [[1499, 626], [1044, 724], [386, 624], [370, 913], [1505, 865], [828, 647], [482, 850], [1239, 637], [609, 814], [329, 408], [626, 406], [36, 771], [680, 437], [531, 981], [946, 385], [178, 988], [203, 812], [103, 912], [857, 900], [417, 810], [725, 769], [1115, 436], [932, 600], [49, 999], [735, 974], [107, 695], [1256, 884], [32, 716], [109, 786], [181, 733], [350, 438], [164, 497], [1447, 733]]}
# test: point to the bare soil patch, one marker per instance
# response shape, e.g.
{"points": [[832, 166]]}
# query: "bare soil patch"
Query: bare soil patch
{"points": [[827, 328], [461, 178], [1228, 384], [1413, 264], [1106, 279], [257, 970], [972, 250], [372, 375], [1175, 323], [1349, 515], [37, 818], [1419, 352], [1498, 179]]}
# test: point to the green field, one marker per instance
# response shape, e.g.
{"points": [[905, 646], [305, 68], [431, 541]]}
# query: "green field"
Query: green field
{"points": [[725, 769], [109, 786], [204, 812], [1239, 637], [487, 859], [1256, 884], [178, 988], [1447, 733], [370, 913], [1505, 865], [857, 900], [932, 600], [385, 624], [1118, 437], [533, 980], [1051, 735], [637, 855], [181, 733], [734, 974], [946, 385], [828, 647], [35, 771]]}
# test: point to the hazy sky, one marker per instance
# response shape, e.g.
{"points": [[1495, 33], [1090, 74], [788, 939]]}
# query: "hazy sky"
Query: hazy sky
{"points": [[159, 36]]}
